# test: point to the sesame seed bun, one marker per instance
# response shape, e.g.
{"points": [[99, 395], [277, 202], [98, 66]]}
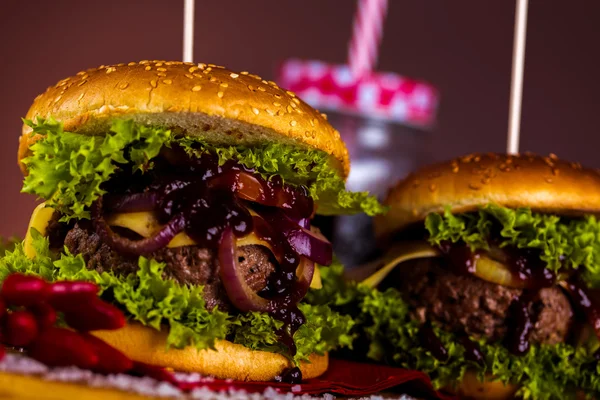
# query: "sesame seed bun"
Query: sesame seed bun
{"points": [[545, 184], [227, 361], [202, 100]]}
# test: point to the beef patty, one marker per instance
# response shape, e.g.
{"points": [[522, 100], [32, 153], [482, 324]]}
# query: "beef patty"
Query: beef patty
{"points": [[190, 265], [477, 307]]}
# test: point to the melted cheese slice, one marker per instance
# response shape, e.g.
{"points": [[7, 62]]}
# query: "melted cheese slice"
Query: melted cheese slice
{"points": [[401, 252], [39, 220], [143, 223]]}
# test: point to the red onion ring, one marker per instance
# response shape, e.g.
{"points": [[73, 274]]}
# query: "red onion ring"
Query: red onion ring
{"points": [[131, 202], [303, 241], [238, 291], [253, 188], [135, 247]]}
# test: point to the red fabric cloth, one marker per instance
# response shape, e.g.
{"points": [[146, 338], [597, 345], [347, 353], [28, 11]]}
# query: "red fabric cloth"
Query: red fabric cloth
{"points": [[343, 377]]}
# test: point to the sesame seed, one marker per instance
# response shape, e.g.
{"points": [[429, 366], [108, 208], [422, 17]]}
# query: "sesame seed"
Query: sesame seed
{"points": [[293, 123], [189, 76], [212, 65], [123, 85], [82, 82], [131, 64], [153, 83], [234, 75], [192, 69], [312, 122], [277, 96], [80, 97], [162, 69], [315, 121], [255, 110], [144, 62], [553, 156], [273, 84], [213, 79], [244, 73], [296, 100], [158, 64], [167, 81], [474, 187], [276, 104], [324, 116], [262, 89], [294, 105], [223, 84], [196, 88], [289, 108], [198, 75], [291, 94], [307, 133], [220, 94], [201, 65], [269, 111], [161, 74], [111, 69], [251, 88], [455, 169], [148, 68], [280, 113]]}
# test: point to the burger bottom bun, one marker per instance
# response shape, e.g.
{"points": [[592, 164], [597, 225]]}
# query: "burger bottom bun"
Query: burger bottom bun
{"points": [[472, 388], [227, 361], [14, 386]]}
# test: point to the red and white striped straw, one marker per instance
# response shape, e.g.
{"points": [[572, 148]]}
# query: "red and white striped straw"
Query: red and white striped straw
{"points": [[367, 32]]}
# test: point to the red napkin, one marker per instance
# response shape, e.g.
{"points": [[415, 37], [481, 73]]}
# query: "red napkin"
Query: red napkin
{"points": [[345, 378]]}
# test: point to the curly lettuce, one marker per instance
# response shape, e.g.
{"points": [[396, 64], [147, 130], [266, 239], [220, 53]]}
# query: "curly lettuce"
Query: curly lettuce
{"points": [[148, 298], [68, 169], [563, 243], [545, 372]]}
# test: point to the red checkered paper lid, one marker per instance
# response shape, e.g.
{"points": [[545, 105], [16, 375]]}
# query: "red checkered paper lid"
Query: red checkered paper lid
{"points": [[382, 95]]}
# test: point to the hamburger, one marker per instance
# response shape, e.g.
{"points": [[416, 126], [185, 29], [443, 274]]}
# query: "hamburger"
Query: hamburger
{"points": [[186, 192], [488, 282]]}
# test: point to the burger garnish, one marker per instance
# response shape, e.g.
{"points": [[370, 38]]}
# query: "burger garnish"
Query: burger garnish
{"points": [[191, 210], [492, 270]]}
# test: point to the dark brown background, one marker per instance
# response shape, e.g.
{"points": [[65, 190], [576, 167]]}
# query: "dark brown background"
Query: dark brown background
{"points": [[463, 47]]}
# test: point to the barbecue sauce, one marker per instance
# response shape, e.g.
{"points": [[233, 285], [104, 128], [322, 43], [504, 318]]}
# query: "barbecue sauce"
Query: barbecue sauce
{"points": [[212, 198], [432, 343]]}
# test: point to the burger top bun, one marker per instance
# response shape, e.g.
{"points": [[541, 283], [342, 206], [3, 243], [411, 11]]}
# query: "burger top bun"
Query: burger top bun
{"points": [[545, 184], [225, 107]]}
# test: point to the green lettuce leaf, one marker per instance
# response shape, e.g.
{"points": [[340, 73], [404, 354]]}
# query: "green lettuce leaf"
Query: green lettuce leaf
{"points": [[564, 243], [545, 372], [153, 301], [69, 169]]}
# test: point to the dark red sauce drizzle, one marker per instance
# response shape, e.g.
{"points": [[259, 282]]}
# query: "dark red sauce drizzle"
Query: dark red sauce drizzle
{"points": [[204, 193], [291, 375], [520, 322], [432, 343], [472, 350]]}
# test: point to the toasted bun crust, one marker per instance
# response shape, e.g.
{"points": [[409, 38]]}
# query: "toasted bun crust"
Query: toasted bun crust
{"points": [[13, 387], [472, 388], [227, 361], [194, 99], [545, 184]]}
